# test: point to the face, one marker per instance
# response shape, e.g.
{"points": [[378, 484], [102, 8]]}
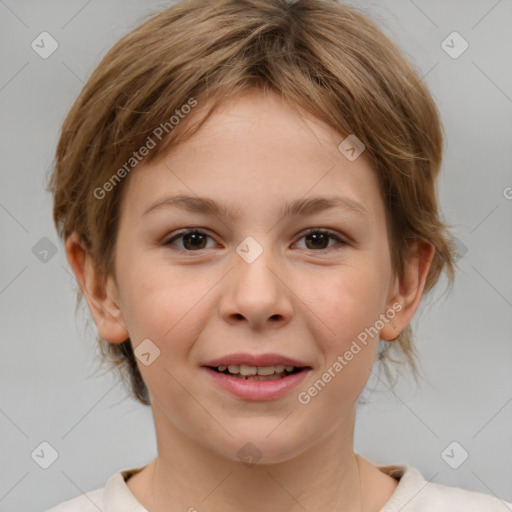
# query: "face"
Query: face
{"points": [[255, 278]]}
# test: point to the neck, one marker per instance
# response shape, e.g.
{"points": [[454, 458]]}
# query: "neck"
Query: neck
{"points": [[186, 475]]}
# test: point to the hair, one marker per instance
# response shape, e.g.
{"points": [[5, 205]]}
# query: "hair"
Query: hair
{"points": [[321, 56]]}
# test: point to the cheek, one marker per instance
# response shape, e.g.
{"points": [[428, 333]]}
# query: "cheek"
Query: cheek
{"points": [[349, 308], [346, 302], [163, 304]]}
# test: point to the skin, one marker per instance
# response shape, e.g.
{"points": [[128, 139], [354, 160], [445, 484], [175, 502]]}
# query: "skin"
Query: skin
{"points": [[298, 299]]}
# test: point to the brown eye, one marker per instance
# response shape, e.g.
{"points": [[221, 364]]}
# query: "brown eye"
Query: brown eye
{"points": [[192, 240], [319, 239]]}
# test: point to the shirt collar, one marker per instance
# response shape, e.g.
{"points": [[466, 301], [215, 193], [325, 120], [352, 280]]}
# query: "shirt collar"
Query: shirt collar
{"points": [[119, 498], [410, 483]]}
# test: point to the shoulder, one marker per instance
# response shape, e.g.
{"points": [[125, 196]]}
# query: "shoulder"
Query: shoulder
{"points": [[415, 494], [89, 502], [114, 497], [443, 498]]}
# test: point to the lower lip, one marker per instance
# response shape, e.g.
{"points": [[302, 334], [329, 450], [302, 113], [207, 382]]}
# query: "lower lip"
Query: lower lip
{"points": [[257, 389]]}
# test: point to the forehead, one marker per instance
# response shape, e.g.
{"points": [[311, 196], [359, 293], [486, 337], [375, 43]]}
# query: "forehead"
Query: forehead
{"points": [[254, 151]]}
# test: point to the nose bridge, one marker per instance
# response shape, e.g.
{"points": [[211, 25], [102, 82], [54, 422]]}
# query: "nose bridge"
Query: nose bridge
{"points": [[256, 261], [255, 289]]}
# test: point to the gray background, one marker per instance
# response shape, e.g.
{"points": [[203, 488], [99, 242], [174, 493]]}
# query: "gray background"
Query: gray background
{"points": [[51, 389]]}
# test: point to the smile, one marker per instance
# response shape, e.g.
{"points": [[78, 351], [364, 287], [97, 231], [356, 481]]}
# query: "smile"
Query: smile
{"points": [[274, 382], [247, 372]]}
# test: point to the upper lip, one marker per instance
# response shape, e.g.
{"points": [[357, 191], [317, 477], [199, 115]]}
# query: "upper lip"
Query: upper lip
{"points": [[255, 360]]}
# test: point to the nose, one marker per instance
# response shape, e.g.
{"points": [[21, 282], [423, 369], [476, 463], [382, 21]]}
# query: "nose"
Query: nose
{"points": [[256, 290]]}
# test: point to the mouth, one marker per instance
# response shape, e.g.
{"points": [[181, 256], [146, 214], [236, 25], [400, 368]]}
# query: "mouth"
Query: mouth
{"points": [[258, 373], [257, 377]]}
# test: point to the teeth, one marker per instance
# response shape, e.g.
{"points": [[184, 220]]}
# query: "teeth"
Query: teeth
{"points": [[266, 370], [257, 377], [248, 371], [245, 369]]}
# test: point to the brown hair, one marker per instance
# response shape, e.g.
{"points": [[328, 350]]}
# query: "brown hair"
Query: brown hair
{"points": [[319, 55]]}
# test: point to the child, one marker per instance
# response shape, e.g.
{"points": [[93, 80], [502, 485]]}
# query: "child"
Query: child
{"points": [[261, 128]]}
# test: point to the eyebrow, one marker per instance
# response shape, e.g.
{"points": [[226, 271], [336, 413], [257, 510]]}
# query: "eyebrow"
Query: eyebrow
{"points": [[299, 207]]}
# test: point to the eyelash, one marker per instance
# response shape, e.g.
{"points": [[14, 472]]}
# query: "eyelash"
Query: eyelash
{"points": [[185, 232]]}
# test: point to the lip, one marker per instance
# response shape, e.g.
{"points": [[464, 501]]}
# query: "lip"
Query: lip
{"points": [[257, 390], [256, 360]]}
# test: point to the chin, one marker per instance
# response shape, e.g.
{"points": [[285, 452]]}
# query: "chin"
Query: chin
{"points": [[262, 448]]}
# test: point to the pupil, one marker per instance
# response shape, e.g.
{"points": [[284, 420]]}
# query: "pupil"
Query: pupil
{"points": [[315, 236], [195, 238]]}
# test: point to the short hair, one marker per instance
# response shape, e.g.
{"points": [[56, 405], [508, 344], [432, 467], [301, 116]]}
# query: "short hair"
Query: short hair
{"points": [[321, 56]]}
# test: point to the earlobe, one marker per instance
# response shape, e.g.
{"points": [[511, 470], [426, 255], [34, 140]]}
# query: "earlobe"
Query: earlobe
{"points": [[408, 290], [100, 293]]}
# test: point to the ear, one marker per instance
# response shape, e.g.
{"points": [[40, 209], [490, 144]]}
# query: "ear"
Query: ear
{"points": [[408, 290], [101, 294]]}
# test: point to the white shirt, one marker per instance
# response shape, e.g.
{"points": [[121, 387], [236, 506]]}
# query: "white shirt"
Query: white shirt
{"points": [[413, 494]]}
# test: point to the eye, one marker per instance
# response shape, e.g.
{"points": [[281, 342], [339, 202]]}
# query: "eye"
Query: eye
{"points": [[192, 239], [319, 237]]}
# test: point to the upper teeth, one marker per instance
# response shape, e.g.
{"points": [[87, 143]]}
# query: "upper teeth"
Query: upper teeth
{"points": [[245, 369]]}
